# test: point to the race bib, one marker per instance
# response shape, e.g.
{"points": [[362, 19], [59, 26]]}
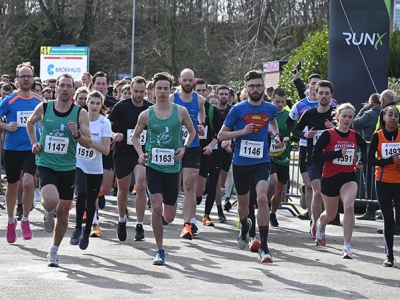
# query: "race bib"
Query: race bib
{"points": [[85, 153], [203, 137], [317, 135], [142, 137], [56, 145], [162, 157], [251, 149], [388, 149], [347, 160], [185, 132], [22, 117]]}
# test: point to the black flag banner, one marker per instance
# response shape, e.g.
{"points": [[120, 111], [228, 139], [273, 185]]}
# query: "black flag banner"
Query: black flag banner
{"points": [[358, 48]]}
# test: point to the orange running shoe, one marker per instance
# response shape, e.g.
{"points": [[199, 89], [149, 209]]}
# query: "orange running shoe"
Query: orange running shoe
{"points": [[187, 232], [207, 221], [96, 231]]}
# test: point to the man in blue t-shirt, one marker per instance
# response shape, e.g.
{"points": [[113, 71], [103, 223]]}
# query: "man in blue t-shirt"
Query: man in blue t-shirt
{"points": [[17, 108], [250, 122]]}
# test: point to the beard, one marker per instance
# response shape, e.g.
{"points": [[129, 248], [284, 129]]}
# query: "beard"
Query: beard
{"points": [[187, 89], [256, 97]]}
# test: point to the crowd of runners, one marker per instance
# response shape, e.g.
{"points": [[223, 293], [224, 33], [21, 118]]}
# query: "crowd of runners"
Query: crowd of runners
{"points": [[76, 138]]}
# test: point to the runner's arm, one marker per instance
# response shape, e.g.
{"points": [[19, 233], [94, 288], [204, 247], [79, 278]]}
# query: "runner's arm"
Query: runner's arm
{"points": [[36, 116], [141, 124], [185, 118], [84, 139], [318, 154]]}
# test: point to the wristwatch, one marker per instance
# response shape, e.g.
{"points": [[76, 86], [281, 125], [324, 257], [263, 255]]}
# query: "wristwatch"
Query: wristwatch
{"points": [[79, 135]]}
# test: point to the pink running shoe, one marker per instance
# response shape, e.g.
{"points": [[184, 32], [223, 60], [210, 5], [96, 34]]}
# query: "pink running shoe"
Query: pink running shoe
{"points": [[11, 231], [26, 231]]}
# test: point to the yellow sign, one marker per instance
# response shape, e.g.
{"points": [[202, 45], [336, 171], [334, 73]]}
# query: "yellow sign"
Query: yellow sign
{"points": [[44, 50]]}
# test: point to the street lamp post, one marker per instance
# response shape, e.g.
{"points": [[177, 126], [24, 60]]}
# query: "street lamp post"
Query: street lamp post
{"points": [[133, 37]]}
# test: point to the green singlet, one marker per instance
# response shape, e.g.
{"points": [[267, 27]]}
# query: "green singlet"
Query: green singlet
{"points": [[164, 137], [57, 142]]}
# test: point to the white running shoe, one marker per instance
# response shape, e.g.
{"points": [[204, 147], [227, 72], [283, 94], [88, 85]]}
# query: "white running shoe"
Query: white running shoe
{"points": [[347, 254]]}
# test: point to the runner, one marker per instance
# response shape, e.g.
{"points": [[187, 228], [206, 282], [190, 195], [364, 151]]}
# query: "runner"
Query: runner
{"points": [[280, 157], [64, 124], [210, 162], [123, 118], [163, 155], [17, 107], [384, 154], [311, 125], [194, 103], [251, 121], [100, 83], [295, 113], [89, 168], [336, 149]]}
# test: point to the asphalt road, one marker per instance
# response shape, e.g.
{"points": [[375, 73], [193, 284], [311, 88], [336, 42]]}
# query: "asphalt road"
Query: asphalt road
{"points": [[208, 267]]}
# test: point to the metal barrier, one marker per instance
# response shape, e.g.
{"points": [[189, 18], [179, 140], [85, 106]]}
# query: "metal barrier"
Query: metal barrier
{"points": [[365, 179]]}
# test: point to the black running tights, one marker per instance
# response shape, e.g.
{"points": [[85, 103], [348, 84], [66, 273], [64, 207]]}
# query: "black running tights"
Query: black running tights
{"points": [[88, 187], [389, 194]]}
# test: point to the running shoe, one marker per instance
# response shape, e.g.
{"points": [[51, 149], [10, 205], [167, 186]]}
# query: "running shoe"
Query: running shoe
{"points": [[254, 244], [139, 236], [221, 217], [388, 262], [76, 234], [148, 203], [265, 256], [304, 216], [48, 221], [273, 220], [11, 231], [19, 213], [207, 221], [320, 236], [121, 231], [84, 240], [26, 231], [165, 223], [101, 201], [159, 260], [195, 229], [52, 259], [243, 239], [347, 254], [187, 232], [228, 204], [96, 230]]}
